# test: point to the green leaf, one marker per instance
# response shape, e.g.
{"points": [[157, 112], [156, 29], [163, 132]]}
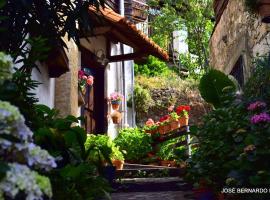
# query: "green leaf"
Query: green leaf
{"points": [[212, 86]]}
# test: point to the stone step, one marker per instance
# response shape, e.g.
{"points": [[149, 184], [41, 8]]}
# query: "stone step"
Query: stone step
{"points": [[151, 185], [149, 171]]}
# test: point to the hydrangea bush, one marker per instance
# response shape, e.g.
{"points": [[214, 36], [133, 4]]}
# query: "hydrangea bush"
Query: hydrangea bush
{"points": [[22, 155], [233, 146]]}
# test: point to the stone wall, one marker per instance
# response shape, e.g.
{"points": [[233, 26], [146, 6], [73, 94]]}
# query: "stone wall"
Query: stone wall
{"points": [[165, 97], [238, 33], [66, 86]]}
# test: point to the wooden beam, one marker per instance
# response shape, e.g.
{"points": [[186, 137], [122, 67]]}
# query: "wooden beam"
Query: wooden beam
{"points": [[124, 39], [130, 56], [101, 30]]}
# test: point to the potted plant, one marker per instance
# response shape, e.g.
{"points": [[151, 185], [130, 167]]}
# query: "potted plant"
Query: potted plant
{"points": [[135, 143], [164, 124], [117, 158], [116, 117], [150, 126], [183, 112], [174, 118], [262, 7], [116, 99], [166, 153], [83, 81]]}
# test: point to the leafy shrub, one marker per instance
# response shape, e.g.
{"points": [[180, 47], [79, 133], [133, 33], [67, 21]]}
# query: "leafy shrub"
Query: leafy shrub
{"points": [[168, 151], [63, 138], [142, 99], [153, 67], [233, 147], [212, 87], [102, 148], [134, 142]]}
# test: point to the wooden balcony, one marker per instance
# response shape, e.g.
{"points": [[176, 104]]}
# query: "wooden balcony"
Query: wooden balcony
{"points": [[136, 10]]}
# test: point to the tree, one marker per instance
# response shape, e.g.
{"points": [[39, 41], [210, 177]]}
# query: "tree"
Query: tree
{"points": [[51, 20], [194, 17]]}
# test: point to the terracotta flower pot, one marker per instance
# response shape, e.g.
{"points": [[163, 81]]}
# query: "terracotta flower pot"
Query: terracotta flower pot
{"points": [[116, 117], [161, 129], [115, 106], [168, 163], [167, 128], [175, 125], [118, 164], [183, 121], [264, 10]]}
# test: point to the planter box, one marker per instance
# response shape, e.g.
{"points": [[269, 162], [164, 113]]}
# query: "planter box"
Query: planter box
{"points": [[175, 125], [183, 121], [118, 164]]}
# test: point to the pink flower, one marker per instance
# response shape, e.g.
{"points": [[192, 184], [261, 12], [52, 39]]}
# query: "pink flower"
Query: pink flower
{"points": [[263, 117], [170, 109], [90, 81], [84, 77], [80, 73], [149, 122], [256, 105]]}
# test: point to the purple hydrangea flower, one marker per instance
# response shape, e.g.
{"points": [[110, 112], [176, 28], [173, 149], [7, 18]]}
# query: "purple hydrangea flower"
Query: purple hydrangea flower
{"points": [[263, 117], [256, 105]]}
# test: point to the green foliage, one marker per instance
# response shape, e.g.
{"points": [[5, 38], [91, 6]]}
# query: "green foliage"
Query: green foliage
{"points": [[168, 151], [142, 99], [214, 85], [65, 140], [258, 86], [232, 149], [99, 148], [134, 142], [58, 18], [153, 67], [194, 17]]}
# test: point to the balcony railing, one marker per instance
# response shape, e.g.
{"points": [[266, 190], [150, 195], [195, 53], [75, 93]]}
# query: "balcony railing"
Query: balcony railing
{"points": [[136, 10]]}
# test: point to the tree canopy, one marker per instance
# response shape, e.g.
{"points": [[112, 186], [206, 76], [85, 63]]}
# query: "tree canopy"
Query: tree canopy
{"points": [[193, 16], [51, 20]]}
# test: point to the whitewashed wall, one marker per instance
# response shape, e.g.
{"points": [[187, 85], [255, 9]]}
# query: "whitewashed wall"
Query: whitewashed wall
{"points": [[45, 91]]}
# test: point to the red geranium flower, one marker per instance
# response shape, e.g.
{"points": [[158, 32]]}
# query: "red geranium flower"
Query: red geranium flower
{"points": [[182, 108], [164, 118]]}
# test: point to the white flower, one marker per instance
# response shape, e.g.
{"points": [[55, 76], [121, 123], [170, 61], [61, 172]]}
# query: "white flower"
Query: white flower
{"points": [[20, 178], [39, 157], [12, 122]]}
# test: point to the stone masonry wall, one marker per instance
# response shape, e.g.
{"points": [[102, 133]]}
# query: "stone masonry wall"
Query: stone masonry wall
{"points": [[66, 86], [164, 97], [238, 33]]}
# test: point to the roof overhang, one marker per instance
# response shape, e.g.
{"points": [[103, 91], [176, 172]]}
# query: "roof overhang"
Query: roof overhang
{"points": [[117, 28]]}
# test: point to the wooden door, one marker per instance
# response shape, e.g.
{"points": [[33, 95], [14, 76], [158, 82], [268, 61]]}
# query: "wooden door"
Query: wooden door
{"points": [[95, 108]]}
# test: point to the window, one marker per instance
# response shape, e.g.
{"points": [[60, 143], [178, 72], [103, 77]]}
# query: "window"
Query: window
{"points": [[238, 71]]}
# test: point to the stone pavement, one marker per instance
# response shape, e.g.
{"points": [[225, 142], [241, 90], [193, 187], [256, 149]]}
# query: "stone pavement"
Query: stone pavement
{"points": [[166, 195]]}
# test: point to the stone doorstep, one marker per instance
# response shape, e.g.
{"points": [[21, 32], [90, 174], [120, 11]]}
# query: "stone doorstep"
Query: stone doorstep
{"points": [[140, 166], [172, 172], [150, 180]]}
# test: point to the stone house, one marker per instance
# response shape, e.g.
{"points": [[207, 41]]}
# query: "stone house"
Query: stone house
{"points": [[237, 38], [108, 54]]}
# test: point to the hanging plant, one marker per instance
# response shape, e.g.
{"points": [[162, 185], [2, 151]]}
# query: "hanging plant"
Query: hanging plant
{"points": [[84, 80]]}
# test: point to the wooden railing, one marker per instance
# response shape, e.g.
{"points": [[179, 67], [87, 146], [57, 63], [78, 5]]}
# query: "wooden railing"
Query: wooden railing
{"points": [[136, 10]]}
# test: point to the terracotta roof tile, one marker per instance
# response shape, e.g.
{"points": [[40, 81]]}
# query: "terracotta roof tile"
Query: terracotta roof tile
{"points": [[134, 35]]}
